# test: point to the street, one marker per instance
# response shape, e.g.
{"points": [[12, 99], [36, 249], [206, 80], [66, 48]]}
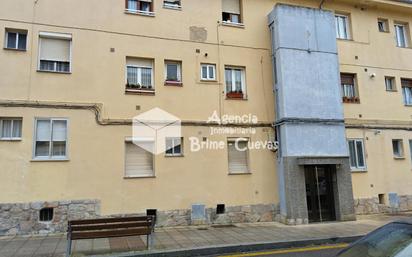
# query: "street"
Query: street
{"points": [[316, 251]]}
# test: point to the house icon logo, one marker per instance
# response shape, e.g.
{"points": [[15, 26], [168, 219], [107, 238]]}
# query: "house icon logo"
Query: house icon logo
{"points": [[152, 128]]}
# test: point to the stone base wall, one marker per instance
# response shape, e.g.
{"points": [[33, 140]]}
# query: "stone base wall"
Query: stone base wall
{"points": [[23, 218], [233, 214], [371, 205]]}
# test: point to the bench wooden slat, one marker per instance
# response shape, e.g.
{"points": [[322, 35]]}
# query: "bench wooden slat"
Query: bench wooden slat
{"points": [[136, 224], [108, 220], [110, 233]]}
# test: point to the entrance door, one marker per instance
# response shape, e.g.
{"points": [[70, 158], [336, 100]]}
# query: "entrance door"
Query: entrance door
{"points": [[319, 193]]}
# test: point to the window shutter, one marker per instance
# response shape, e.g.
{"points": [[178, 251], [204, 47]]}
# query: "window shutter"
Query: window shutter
{"points": [[139, 162], [238, 160], [406, 82], [43, 130], [53, 49], [347, 79], [149, 1], [140, 62], [59, 130], [231, 6]]}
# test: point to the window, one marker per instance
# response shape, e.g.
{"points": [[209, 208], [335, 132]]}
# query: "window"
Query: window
{"points": [[390, 83], [16, 39], [173, 72], [231, 11], [401, 35], [174, 4], [235, 82], [174, 146], [46, 214], [349, 91], [140, 6], [139, 75], [55, 52], [139, 162], [10, 128], [342, 26], [397, 145], [356, 154], [238, 156], [208, 72], [407, 91], [51, 139], [410, 148], [383, 25]]}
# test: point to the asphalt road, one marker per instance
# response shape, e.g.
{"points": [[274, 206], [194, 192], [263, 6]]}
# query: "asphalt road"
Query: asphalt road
{"points": [[318, 251]]}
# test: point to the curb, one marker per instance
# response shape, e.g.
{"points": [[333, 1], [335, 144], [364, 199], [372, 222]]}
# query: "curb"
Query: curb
{"points": [[228, 249]]}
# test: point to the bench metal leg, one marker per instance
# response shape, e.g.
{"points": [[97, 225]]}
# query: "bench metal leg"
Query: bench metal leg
{"points": [[69, 246]]}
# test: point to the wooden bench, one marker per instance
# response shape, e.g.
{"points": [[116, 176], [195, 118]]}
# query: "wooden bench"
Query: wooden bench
{"points": [[109, 227]]}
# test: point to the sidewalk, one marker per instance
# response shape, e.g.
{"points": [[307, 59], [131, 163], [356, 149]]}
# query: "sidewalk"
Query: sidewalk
{"points": [[200, 239]]}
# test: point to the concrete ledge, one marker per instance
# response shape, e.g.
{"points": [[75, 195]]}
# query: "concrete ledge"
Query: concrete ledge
{"points": [[237, 248]]}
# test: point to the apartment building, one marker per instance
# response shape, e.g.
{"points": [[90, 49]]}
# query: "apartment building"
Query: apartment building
{"points": [[329, 81]]}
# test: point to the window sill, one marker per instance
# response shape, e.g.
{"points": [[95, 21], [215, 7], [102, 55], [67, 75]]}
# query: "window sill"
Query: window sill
{"points": [[141, 13], [233, 24], [359, 171], [139, 92], [392, 91], [173, 83], [243, 173], [55, 72], [173, 7], [174, 155], [49, 160], [10, 139], [138, 177], [399, 158], [345, 39], [236, 98], [204, 81], [15, 49], [408, 105], [404, 47]]}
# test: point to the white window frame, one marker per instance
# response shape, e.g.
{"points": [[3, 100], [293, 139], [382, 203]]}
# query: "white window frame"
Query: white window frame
{"points": [[392, 82], [357, 167], [174, 143], [60, 36], [243, 79], [385, 24], [50, 157], [12, 119], [132, 140], [139, 77], [401, 149], [208, 66], [136, 11], [399, 43], [172, 6], [346, 28], [233, 140], [179, 71], [410, 148], [18, 33]]}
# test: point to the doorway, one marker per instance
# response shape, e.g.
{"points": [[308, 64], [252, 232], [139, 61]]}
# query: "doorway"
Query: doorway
{"points": [[320, 193]]}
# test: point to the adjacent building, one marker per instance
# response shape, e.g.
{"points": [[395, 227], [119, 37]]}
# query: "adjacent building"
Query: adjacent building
{"points": [[329, 82]]}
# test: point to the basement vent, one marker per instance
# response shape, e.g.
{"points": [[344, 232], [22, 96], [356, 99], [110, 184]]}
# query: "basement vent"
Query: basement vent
{"points": [[46, 214], [220, 209]]}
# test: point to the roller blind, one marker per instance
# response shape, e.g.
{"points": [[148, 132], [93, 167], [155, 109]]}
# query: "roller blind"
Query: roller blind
{"points": [[43, 130], [347, 79], [406, 82], [238, 160], [231, 6], [54, 49], [149, 1], [139, 162], [59, 130], [141, 62]]}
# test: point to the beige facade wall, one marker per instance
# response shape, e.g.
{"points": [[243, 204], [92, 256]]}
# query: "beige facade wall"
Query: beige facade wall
{"points": [[95, 169]]}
